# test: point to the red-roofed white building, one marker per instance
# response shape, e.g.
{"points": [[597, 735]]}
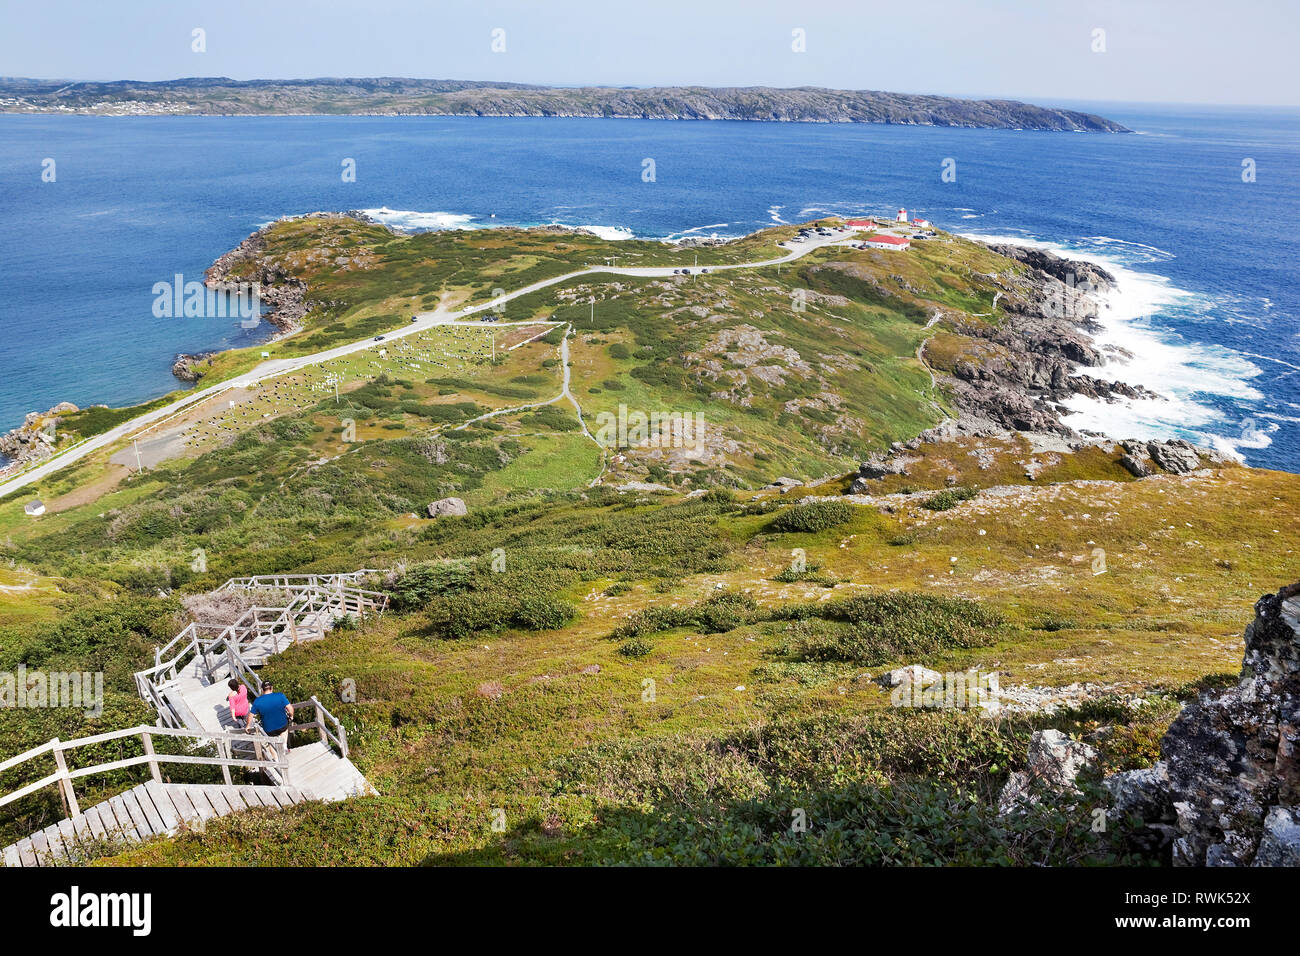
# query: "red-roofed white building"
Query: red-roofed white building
{"points": [[921, 223], [860, 223], [902, 215], [887, 242]]}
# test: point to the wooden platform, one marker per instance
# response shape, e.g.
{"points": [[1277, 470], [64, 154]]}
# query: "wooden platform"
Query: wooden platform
{"points": [[148, 810]]}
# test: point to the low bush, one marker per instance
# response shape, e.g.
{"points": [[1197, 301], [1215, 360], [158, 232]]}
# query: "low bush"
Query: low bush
{"points": [[812, 517], [949, 498]]}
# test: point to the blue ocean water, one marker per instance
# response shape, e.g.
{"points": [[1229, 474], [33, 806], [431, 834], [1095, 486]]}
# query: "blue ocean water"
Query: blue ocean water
{"points": [[1209, 305]]}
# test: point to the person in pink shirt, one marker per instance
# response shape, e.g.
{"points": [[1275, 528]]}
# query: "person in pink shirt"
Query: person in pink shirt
{"points": [[238, 700]]}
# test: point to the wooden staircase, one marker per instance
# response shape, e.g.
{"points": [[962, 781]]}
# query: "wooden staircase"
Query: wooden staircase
{"points": [[141, 813], [187, 686]]}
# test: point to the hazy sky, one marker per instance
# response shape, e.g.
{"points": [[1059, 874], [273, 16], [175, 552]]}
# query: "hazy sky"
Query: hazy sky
{"points": [[1193, 51]]}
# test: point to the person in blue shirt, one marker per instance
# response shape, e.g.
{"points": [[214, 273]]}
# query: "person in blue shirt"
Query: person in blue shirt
{"points": [[273, 709]]}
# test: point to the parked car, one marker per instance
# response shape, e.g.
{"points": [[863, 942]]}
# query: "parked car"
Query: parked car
{"points": [[379, 338]]}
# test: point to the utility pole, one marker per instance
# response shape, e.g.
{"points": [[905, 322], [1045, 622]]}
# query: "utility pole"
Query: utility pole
{"points": [[492, 334], [139, 467]]}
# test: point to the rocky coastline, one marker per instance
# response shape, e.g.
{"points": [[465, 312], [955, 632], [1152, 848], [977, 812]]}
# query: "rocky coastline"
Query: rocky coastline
{"points": [[35, 439], [1020, 370], [1032, 359]]}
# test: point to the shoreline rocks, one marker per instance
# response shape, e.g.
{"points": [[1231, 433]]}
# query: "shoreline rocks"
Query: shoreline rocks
{"points": [[1028, 365], [191, 368], [34, 440]]}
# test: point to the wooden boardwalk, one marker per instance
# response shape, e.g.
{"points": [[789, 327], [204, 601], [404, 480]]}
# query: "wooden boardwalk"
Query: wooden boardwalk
{"points": [[141, 813], [187, 686]]}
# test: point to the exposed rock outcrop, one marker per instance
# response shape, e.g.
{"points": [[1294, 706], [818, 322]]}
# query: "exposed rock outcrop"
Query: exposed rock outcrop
{"points": [[1227, 787], [1055, 762], [283, 293], [191, 368], [1176, 456], [1027, 364], [911, 674], [36, 437]]}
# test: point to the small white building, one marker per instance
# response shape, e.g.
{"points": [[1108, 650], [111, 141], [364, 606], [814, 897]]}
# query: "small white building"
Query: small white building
{"points": [[34, 507], [887, 242]]}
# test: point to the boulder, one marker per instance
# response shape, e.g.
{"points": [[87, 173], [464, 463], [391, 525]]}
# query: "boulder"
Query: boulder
{"points": [[878, 466], [912, 673], [1055, 762], [1175, 456], [1138, 466], [447, 506], [1280, 843]]}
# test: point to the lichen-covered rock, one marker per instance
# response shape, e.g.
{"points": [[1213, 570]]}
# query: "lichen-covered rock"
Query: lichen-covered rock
{"points": [[1230, 763], [1280, 843]]}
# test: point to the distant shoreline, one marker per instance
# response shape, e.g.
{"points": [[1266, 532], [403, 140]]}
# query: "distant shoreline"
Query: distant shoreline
{"points": [[408, 97]]}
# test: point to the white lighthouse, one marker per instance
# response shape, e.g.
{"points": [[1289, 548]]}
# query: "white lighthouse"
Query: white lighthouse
{"points": [[902, 216]]}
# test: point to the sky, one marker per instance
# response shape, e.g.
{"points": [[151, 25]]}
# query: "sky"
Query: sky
{"points": [[1147, 51]]}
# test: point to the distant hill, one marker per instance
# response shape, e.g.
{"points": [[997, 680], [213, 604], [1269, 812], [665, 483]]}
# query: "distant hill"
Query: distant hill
{"points": [[396, 96]]}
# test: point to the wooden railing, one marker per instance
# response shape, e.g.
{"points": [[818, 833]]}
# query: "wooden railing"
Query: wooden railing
{"points": [[276, 767], [283, 581], [324, 723], [226, 653]]}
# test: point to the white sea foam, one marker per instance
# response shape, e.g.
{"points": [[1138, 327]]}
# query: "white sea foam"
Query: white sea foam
{"points": [[608, 233], [1183, 375], [410, 220]]}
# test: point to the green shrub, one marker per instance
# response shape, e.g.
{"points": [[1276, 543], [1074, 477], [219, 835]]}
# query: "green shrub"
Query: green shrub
{"points": [[949, 498], [635, 647], [812, 517], [424, 582], [720, 613]]}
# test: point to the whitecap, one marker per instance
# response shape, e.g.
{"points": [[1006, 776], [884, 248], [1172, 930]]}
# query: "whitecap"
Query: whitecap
{"points": [[410, 220]]}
